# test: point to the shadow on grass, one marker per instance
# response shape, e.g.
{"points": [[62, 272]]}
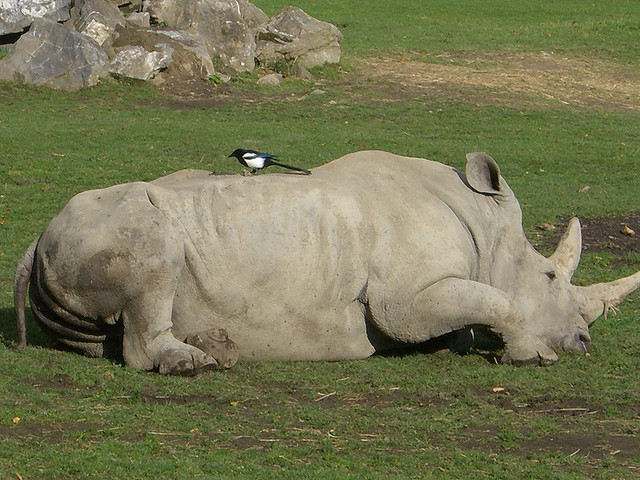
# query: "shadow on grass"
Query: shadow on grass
{"points": [[9, 331], [36, 337], [484, 344]]}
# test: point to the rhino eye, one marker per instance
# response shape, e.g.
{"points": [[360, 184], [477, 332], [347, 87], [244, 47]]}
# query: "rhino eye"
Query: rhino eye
{"points": [[551, 275]]}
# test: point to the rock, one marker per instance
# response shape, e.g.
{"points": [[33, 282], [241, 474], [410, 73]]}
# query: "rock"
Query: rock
{"points": [[547, 227], [139, 19], [228, 36], [174, 14], [55, 55], [223, 77], [16, 15], [252, 15], [97, 19], [301, 72], [227, 26], [128, 6], [195, 44], [293, 35], [136, 62], [189, 60], [273, 79], [171, 40]]}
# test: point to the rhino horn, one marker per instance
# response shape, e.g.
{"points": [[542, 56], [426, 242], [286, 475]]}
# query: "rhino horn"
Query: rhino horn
{"points": [[567, 254], [601, 297]]}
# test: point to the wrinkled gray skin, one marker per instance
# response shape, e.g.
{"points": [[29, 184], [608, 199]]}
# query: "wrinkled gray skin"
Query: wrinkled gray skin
{"points": [[370, 252]]}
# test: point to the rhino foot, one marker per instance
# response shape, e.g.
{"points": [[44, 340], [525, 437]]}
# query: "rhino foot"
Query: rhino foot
{"points": [[536, 354], [217, 344], [183, 361]]}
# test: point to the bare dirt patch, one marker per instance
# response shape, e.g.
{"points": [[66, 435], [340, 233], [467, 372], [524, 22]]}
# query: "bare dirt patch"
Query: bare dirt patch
{"points": [[599, 438], [516, 80], [59, 381], [586, 444], [619, 235]]}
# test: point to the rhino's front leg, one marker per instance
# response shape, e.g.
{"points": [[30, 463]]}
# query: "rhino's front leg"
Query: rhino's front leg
{"points": [[453, 304]]}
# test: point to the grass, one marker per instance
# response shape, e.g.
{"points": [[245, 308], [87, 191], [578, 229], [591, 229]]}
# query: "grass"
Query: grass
{"points": [[416, 416], [606, 30]]}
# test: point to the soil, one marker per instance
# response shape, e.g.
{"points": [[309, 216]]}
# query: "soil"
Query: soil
{"points": [[619, 235], [515, 80], [603, 438]]}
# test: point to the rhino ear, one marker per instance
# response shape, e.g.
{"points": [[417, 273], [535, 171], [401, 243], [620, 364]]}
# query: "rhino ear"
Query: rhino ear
{"points": [[483, 173]]}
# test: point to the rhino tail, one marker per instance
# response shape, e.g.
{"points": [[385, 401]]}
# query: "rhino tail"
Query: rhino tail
{"points": [[20, 286]]}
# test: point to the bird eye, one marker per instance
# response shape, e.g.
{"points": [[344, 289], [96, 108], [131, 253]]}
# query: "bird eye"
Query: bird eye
{"points": [[551, 275]]}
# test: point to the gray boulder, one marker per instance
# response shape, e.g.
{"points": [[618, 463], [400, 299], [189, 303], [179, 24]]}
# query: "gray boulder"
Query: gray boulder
{"points": [[139, 19], [177, 55], [252, 15], [128, 6], [273, 80], [97, 19], [136, 62], [194, 44], [172, 13], [227, 27], [170, 40], [293, 35], [16, 15], [55, 55]]}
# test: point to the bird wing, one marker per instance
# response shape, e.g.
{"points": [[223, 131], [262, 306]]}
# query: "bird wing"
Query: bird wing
{"points": [[250, 154]]}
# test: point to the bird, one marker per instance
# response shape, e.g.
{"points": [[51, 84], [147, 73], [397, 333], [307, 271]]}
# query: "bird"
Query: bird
{"points": [[258, 160]]}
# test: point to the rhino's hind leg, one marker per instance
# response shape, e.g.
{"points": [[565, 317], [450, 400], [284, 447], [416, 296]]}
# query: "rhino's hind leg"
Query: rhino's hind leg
{"points": [[148, 342]]}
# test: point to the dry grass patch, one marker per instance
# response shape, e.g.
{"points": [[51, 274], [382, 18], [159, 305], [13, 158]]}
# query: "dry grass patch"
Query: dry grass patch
{"points": [[516, 80]]}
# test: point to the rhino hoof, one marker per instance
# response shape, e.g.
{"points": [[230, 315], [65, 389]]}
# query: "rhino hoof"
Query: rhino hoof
{"points": [[542, 358], [175, 361], [217, 344]]}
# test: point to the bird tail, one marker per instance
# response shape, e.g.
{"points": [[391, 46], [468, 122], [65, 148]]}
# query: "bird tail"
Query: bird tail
{"points": [[306, 172]]}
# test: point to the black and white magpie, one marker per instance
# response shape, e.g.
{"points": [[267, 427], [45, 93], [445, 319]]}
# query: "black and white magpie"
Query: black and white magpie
{"points": [[257, 160]]}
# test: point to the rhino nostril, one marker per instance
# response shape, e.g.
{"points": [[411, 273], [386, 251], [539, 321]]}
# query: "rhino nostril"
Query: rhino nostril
{"points": [[585, 341]]}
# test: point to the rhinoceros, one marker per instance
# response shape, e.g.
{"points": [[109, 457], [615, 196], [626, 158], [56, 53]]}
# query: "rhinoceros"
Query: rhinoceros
{"points": [[371, 252]]}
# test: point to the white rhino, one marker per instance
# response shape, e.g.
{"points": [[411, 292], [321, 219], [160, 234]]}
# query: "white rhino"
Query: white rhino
{"points": [[371, 252]]}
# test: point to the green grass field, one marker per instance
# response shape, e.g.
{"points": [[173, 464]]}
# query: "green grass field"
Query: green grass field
{"points": [[417, 416]]}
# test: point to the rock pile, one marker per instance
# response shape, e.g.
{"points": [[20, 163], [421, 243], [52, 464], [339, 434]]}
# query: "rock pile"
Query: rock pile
{"points": [[69, 44]]}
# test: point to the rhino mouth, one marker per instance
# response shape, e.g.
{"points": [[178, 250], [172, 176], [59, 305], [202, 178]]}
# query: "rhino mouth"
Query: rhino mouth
{"points": [[584, 346], [579, 342]]}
